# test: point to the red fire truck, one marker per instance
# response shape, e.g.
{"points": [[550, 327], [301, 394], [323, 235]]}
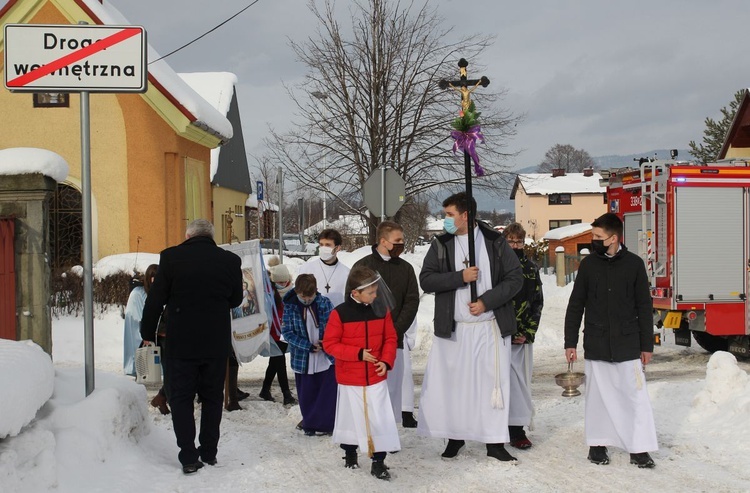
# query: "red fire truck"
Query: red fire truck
{"points": [[689, 223]]}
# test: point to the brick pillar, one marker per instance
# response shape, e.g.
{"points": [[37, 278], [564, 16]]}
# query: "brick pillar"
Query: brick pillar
{"points": [[26, 199]]}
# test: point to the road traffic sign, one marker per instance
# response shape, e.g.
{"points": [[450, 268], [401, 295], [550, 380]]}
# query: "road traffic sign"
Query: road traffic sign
{"points": [[75, 58], [395, 192]]}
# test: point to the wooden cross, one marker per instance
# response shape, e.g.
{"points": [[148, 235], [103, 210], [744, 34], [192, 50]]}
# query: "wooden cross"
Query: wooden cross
{"points": [[465, 87]]}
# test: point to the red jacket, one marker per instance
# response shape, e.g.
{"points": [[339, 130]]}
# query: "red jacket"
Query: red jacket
{"points": [[351, 328]]}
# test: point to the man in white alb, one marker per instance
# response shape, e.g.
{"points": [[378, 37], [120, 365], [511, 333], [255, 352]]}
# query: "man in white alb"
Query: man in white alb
{"points": [[467, 380], [611, 294], [329, 272]]}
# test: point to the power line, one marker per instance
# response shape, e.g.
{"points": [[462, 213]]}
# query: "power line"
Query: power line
{"points": [[206, 33]]}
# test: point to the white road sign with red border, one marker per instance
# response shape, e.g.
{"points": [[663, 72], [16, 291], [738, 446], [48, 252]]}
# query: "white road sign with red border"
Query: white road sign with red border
{"points": [[75, 58]]}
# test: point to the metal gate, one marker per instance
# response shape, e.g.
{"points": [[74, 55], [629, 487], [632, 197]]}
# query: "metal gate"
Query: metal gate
{"points": [[7, 280]]}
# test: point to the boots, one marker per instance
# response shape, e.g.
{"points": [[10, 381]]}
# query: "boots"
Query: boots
{"points": [[407, 420], [289, 399], [265, 394], [380, 470]]}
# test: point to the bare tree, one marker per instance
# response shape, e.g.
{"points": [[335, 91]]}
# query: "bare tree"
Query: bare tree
{"points": [[372, 99], [566, 157]]}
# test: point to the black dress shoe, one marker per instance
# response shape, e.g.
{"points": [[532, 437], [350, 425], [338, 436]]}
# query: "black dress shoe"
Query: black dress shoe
{"points": [[266, 395], [407, 420], [642, 460], [191, 468], [241, 396], [452, 449], [598, 455], [210, 462], [497, 451]]}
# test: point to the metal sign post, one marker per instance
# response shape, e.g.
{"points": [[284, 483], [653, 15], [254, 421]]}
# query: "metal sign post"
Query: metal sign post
{"points": [[280, 178], [78, 58]]}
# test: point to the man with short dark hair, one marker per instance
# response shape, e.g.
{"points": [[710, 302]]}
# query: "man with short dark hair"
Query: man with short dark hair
{"points": [[199, 283], [612, 290], [399, 276], [329, 272], [466, 384]]}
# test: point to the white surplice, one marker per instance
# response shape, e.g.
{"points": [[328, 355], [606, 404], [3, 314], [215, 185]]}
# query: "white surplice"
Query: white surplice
{"points": [[521, 406], [618, 409], [351, 427], [466, 385], [334, 276]]}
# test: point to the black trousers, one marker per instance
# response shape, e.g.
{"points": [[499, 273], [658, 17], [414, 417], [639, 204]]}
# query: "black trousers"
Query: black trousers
{"points": [[188, 377]]}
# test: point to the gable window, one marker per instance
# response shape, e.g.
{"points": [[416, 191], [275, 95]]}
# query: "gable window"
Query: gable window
{"points": [[559, 223], [559, 199], [51, 100]]}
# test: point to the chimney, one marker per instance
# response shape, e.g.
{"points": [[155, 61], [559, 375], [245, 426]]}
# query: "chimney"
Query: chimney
{"points": [[558, 172], [588, 171]]}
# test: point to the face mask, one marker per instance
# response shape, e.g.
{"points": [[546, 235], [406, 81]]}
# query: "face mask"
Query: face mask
{"points": [[598, 246], [305, 303], [519, 252], [280, 285], [326, 253], [449, 225], [398, 249]]}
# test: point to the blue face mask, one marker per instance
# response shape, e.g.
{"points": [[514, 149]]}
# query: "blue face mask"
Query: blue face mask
{"points": [[449, 225]]}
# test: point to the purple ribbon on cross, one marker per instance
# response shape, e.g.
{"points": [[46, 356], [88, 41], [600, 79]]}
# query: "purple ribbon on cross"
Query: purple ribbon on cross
{"points": [[466, 142]]}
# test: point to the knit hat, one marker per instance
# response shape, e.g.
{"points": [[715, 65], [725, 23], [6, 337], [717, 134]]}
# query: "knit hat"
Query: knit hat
{"points": [[278, 271]]}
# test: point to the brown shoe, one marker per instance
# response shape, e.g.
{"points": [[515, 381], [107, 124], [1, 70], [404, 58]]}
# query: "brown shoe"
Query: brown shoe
{"points": [[160, 401]]}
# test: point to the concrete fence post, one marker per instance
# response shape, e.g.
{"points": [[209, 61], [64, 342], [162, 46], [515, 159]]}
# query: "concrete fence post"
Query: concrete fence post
{"points": [[560, 265]]}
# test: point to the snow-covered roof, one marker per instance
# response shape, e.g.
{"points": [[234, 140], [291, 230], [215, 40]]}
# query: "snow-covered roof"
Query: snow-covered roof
{"points": [[348, 224], [29, 160], [217, 88], [252, 202], [567, 231], [545, 183], [206, 116]]}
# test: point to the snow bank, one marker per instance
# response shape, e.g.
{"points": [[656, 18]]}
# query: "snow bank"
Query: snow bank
{"points": [[726, 391], [125, 262], [72, 430], [28, 390], [28, 160]]}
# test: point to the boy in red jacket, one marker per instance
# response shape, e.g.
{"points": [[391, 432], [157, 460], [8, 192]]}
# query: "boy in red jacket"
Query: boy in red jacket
{"points": [[361, 337]]}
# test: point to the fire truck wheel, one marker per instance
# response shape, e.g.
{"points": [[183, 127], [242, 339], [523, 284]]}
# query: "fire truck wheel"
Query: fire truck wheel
{"points": [[711, 343]]}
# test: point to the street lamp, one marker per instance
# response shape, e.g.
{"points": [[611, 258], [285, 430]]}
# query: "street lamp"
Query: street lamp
{"points": [[323, 96]]}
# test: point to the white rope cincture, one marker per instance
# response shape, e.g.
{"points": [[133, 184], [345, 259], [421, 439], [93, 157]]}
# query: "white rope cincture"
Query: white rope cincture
{"points": [[638, 379], [497, 392]]}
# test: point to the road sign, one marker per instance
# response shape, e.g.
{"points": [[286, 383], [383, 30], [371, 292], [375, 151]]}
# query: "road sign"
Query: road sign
{"points": [[395, 192], [75, 58], [259, 190]]}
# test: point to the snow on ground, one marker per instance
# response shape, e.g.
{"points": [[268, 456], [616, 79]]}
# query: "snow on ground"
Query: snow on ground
{"points": [[113, 441]]}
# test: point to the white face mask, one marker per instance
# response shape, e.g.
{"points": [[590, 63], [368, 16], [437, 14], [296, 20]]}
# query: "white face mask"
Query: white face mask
{"points": [[326, 253]]}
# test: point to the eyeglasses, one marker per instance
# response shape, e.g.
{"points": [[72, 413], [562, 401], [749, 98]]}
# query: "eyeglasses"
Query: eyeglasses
{"points": [[515, 242]]}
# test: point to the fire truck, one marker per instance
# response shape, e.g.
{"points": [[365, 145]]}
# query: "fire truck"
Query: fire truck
{"points": [[689, 223]]}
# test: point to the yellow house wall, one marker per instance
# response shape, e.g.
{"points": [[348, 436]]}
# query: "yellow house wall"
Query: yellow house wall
{"points": [[137, 160], [224, 199], [737, 152], [534, 213]]}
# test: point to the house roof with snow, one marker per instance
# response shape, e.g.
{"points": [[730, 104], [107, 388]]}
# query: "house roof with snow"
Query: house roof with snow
{"points": [[546, 184], [567, 231], [172, 98], [346, 225], [252, 202], [228, 162]]}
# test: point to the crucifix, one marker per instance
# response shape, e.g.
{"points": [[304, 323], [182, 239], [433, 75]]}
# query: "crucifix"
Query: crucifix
{"points": [[465, 86]]}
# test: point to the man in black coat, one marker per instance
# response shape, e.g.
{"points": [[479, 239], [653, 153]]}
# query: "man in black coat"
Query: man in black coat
{"points": [[399, 276], [199, 283], [611, 294]]}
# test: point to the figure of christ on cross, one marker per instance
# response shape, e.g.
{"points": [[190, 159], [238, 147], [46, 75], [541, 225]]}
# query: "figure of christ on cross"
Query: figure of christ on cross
{"points": [[462, 87]]}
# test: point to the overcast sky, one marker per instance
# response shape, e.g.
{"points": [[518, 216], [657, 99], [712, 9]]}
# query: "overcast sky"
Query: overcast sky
{"points": [[608, 77]]}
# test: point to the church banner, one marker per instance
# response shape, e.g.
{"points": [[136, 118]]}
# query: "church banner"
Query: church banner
{"points": [[250, 327]]}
